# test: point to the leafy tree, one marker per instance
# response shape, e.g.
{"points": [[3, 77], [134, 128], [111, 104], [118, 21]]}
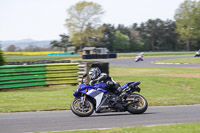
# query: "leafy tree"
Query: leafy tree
{"points": [[136, 43], [108, 36], [90, 37], [187, 18], [154, 33], [11, 48], [121, 42], [135, 40], [64, 43], [2, 60], [83, 16], [124, 30], [170, 36], [56, 44]]}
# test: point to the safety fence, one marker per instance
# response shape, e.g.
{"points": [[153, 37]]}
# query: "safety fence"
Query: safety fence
{"points": [[31, 53], [42, 53], [37, 75]]}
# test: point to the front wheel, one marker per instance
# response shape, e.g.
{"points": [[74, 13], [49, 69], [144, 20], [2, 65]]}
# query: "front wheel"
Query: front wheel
{"points": [[82, 109], [138, 107]]}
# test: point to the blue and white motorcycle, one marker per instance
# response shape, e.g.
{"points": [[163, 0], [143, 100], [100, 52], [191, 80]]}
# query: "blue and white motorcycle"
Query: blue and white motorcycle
{"points": [[96, 98]]}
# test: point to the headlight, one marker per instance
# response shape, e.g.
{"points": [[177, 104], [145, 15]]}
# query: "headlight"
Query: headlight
{"points": [[77, 89]]}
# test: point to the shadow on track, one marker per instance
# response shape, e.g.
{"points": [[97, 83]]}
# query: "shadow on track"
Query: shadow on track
{"points": [[119, 114]]}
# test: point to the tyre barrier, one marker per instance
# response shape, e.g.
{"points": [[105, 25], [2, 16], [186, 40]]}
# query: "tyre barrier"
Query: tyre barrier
{"points": [[99, 56], [17, 76], [38, 75]]}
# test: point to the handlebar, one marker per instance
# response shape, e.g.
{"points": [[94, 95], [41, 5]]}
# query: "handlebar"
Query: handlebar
{"points": [[134, 84]]}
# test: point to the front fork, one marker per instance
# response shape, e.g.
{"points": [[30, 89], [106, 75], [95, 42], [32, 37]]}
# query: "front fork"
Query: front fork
{"points": [[83, 98]]}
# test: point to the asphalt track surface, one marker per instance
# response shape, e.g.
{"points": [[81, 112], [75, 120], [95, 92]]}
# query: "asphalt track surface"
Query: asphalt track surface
{"points": [[66, 120], [45, 121], [148, 62]]}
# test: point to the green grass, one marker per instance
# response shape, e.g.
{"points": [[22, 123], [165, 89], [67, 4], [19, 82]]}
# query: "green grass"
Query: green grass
{"points": [[10, 58], [36, 98], [160, 86], [194, 60], [163, 86], [156, 54], [177, 128]]}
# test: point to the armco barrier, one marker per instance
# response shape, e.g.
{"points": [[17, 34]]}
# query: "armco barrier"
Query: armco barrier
{"points": [[35, 75], [37, 62]]}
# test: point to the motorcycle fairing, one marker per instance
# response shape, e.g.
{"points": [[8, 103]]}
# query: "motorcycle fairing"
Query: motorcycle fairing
{"points": [[82, 89], [127, 84], [100, 85], [97, 95], [102, 90], [83, 86]]}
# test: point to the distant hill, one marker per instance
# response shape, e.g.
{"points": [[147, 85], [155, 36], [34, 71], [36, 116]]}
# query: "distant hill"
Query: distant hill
{"points": [[24, 43]]}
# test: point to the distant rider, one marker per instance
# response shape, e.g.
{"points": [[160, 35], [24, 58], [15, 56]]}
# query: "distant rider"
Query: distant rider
{"points": [[198, 53], [141, 55], [96, 76]]}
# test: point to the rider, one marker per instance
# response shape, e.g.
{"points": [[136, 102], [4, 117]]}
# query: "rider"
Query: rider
{"points": [[141, 54], [198, 53], [95, 76]]}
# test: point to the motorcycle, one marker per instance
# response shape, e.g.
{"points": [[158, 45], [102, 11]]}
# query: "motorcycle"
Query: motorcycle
{"points": [[96, 98], [139, 58], [197, 54]]}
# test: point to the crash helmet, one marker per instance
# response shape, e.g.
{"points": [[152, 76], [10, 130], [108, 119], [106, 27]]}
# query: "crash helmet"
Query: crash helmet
{"points": [[94, 73]]}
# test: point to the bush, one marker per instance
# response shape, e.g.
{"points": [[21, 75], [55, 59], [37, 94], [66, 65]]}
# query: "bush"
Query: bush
{"points": [[2, 60]]}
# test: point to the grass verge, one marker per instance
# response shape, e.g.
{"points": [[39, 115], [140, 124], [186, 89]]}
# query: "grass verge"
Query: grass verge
{"points": [[10, 58], [160, 86], [36, 99], [194, 60], [177, 128], [163, 86], [156, 54]]}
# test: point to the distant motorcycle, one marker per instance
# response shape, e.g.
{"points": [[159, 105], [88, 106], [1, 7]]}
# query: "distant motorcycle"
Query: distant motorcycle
{"points": [[197, 54], [139, 58], [96, 98]]}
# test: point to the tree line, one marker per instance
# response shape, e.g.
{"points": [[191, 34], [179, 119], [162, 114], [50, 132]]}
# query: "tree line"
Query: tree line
{"points": [[85, 30]]}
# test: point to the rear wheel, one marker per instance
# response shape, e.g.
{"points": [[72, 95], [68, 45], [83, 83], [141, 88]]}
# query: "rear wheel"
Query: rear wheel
{"points": [[82, 109], [138, 107]]}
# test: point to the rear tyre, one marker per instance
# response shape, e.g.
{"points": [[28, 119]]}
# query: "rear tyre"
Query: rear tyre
{"points": [[80, 109], [138, 107]]}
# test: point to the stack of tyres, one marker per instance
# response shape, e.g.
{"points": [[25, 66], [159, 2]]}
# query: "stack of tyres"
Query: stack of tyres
{"points": [[112, 55], [104, 56], [84, 56], [99, 56]]}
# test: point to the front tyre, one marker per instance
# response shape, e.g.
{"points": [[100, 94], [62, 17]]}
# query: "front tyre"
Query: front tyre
{"points": [[138, 107], [82, 109]]}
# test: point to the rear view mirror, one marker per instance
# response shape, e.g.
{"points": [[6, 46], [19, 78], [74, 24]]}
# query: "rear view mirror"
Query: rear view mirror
{"points": [[84, 75]]}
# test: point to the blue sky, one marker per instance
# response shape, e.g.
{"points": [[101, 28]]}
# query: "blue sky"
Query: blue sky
{"points": [[45, 19]]}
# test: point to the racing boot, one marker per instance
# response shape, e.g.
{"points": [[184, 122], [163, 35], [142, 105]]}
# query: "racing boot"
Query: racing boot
{"points": [[121, 94]]}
